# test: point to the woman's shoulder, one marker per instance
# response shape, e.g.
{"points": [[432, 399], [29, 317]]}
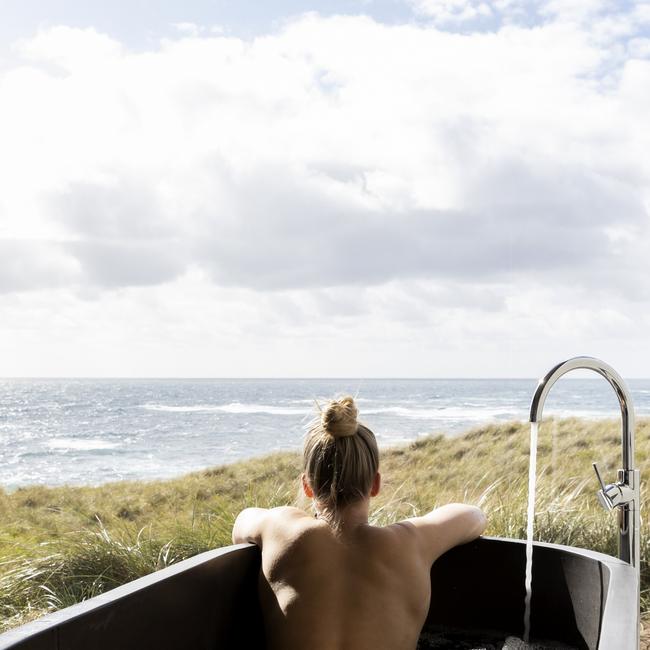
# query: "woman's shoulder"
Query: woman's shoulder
{"points": [[287, 521], [293, 534], [399, 532], [288, 513]]}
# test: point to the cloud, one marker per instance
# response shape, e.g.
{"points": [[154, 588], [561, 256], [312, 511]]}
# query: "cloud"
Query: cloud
{"points": [[284, 163], [515, 219], [107, 264], [124, 208], [35, 264], [74, 50]]}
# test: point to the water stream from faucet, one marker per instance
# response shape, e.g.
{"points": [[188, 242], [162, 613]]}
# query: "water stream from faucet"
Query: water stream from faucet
{"points": [[532, 480]]}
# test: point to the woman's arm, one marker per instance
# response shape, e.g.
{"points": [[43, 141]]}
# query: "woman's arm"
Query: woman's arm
{"points": [[446, 527], [249, 526]]}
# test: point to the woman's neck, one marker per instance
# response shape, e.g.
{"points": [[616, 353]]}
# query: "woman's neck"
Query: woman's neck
{"points": [[347, 518]]}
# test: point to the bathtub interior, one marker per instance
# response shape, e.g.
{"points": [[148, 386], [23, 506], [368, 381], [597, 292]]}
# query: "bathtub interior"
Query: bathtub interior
{"points": [[480, 586]]}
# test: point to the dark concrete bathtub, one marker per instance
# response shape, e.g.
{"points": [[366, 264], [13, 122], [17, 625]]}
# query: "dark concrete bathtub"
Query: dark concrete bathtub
{"points": [[584, 599]]}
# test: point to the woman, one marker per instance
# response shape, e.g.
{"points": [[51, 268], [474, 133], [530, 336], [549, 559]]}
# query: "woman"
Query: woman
{"points": [[333, 581]]}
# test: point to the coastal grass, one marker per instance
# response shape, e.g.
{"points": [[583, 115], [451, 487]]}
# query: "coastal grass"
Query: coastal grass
{"points": [[62, 545]]}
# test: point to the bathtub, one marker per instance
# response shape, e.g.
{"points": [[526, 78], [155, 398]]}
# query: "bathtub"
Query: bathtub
{"points": [[581, 598]]}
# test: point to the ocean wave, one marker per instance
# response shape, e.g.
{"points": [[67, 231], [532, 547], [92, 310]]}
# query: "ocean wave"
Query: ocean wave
{"points": [[468, 412], [445, 413], [234, 407], [79, 444]]}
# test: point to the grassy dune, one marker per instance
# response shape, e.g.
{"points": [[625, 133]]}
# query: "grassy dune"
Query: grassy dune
{"points": [[61, 545]]}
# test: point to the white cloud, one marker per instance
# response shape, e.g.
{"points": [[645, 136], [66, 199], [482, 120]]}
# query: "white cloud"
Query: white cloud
{"points": [[339, 180], [75, 50]]}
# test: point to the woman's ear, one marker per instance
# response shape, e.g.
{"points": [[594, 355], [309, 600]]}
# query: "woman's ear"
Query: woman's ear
{"points": [[376, 485], [306, 488]]}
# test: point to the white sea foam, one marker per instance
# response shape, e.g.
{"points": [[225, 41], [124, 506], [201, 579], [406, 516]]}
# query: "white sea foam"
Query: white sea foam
{"points": [[234, 407], [445, 413], [78, 444], [470, 412]]}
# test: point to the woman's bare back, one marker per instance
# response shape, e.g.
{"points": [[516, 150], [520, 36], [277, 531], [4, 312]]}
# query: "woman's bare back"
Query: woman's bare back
{"points": [[368, 587]]}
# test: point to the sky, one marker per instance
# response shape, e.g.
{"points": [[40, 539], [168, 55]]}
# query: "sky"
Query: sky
{"points": [[361, 188]]}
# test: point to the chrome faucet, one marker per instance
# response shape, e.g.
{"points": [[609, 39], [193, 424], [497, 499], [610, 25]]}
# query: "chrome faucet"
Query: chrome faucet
{"points": [[624, 495]]}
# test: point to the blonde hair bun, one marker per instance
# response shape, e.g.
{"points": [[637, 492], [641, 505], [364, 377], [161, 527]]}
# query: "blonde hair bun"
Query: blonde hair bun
{"points": [[339, 419]]}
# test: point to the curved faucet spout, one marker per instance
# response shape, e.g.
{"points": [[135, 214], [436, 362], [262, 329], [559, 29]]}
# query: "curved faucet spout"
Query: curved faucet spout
{"points": [[617, 383], [624, 496]]}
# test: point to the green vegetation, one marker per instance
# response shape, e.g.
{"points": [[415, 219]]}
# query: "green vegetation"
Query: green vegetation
{"points": [[61, 545]]}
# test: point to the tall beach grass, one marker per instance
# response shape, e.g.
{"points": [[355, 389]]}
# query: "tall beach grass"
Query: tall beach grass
{"points": [[61, 545]]}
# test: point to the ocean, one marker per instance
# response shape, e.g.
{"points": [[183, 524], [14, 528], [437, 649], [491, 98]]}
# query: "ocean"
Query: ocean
{"points": [[90, 431]]}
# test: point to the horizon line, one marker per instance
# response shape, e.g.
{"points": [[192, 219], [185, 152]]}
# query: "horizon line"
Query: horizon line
{"points": [[280, 378]]}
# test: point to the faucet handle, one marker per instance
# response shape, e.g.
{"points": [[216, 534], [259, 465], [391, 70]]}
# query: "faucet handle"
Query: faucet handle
{"points": [[603, 496], [608, 495], [598, 476], [614, 494]]}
